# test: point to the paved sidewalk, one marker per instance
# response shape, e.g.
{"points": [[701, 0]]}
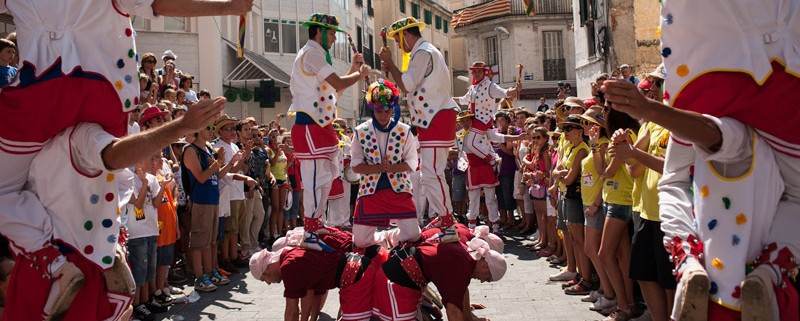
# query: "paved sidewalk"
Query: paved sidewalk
{"points": [[523, 294]]}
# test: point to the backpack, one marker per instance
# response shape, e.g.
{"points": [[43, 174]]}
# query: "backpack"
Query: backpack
{"points": [[188, 185]]}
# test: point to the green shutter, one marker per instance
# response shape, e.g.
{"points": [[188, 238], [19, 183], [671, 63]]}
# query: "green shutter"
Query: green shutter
{"points": [[403, 6], [415, 10], [428, 17], [446, 26], [438, 22]]}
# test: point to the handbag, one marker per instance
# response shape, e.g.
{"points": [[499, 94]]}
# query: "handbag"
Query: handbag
{"points": [[537, 189]]}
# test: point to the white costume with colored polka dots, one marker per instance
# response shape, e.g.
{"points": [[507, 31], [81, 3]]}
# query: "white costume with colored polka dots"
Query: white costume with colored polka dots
{"points": [[751, 64], [316, 144], [92, 38], [481, 100], [433, 112], [735, 192], [80, 195]]}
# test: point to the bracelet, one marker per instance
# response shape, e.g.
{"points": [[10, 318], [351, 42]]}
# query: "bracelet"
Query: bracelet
{"points": [[594, 146]]}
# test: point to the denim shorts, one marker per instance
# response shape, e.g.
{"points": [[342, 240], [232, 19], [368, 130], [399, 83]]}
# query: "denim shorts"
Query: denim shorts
{"points": [[597, 220], [573, 211], [165, 255], [142, 259], [622, 212]]}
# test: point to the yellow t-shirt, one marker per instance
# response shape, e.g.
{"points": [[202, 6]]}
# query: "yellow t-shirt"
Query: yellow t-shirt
{"points": [[659, 138], [569, 159], [636, 192], [618, 189], [591, 184]]}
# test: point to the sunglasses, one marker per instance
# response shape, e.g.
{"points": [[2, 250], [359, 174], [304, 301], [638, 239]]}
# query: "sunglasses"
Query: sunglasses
{"points": [[567, 129], [228, 129], [152, 61], [586, 123], [211, 128]]}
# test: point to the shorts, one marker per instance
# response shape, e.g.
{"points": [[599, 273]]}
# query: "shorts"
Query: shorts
{"points": [[291, 214], [649, 258], [165, 255], [221, 229], [573, 211], [278, 183], [505, 193], [561, 219], [142, 259], [237, 215], [622, 212], [519, 188], [596, 222], [459, 188], [205, 224]]}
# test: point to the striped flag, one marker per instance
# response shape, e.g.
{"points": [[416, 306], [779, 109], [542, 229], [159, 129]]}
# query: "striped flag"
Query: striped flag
{"points": [[480, 12], [240, 43], [530, 8]]}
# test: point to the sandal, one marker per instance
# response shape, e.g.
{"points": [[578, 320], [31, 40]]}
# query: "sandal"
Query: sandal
{"points": [[544, 253]]}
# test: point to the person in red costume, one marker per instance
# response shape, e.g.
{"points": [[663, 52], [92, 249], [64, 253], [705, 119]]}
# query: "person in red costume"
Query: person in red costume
{"points": [[308, 274], [730, 192], [449, 266]]}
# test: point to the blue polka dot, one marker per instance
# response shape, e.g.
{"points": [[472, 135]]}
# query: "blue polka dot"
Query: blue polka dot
{"points": [[422, 90], [666, 52], [128, 79], [430, 111], [94, 198], [137, 56], [424, 123], [112, 239], [330, 97], [120, 64], [712, 224], [736, 240], [713, 289], [668, 19], [107, 223]]}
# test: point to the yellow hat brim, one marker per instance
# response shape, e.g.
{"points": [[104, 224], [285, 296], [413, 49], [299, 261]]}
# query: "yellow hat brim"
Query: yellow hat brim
{"points": [[421, 26]]}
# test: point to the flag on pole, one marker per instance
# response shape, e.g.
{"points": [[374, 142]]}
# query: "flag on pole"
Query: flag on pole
{"points": [[480, 12], [530, 8], [242, 27]]}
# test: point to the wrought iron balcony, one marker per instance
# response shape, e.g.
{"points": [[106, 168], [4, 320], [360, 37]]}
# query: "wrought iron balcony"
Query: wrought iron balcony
{"points": [[543, 7]]}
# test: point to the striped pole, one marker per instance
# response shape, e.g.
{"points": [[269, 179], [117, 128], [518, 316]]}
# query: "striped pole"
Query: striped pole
{"points": [[242, 28]]}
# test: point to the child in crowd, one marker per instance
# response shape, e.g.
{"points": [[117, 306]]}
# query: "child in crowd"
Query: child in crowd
{"points": [[7, 53]]}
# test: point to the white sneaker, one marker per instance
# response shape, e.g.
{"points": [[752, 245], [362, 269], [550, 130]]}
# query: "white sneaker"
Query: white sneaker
{"points": [[564, 275], [592, 297], [602, 303]]}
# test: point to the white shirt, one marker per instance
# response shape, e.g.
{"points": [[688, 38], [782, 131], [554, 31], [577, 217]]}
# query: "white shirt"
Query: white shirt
{"points": [[236, 189], [133, 128], [144, 222], [410, 155]]}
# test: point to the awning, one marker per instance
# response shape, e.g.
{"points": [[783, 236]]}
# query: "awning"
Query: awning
{"points": [[254, 67]]}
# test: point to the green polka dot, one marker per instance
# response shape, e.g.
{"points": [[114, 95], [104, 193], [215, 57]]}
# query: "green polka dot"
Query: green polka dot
{"points": [[315, 104], [88, 225], [108, 260], [131, 53], [127, 103]]}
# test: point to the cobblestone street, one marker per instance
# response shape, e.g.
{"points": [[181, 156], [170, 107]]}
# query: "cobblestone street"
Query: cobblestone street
{"points": [[523, 294]]}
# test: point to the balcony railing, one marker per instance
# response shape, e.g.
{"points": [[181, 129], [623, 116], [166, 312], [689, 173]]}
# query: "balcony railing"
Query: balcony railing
{"points": [[554, 69], [543, 7]]}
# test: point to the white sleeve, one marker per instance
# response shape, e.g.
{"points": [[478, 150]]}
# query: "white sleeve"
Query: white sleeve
{"points": [[141, 8], [495, 91], [675, 196], [494, 137], [87, 143], [356, 151], [410, 155], [463, 100], [314, 63], [417, 70], [736, 142], [152, 184]]}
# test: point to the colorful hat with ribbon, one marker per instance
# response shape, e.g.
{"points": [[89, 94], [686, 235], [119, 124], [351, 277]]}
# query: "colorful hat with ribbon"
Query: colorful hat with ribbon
{"points": [[404, 24], [382, 95], [326, 22], [397, 28], [323, 20]]}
